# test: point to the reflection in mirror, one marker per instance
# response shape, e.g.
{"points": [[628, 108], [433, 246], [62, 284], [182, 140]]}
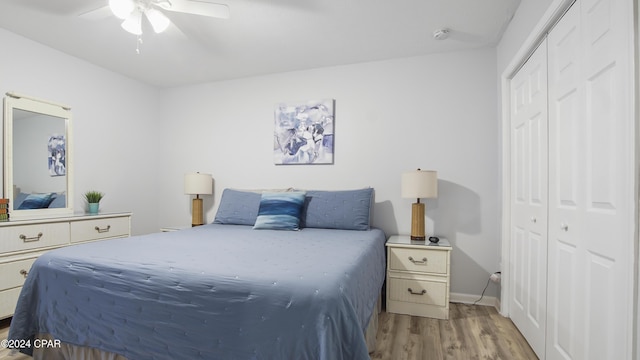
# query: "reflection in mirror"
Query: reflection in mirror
{"points": [[37, 163]]}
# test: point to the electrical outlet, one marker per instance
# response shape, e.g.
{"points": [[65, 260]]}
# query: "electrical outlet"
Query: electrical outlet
{"points": [[496, 277]]}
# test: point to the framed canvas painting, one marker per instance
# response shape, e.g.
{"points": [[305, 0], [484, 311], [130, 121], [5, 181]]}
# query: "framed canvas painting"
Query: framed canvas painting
{"points": [[304, 133]]}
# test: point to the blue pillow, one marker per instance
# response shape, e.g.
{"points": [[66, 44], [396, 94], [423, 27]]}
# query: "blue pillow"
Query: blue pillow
{"points": [[238, 207], [346, 209], [37, 201], [59, 201], [17, 200], [280, 211]]}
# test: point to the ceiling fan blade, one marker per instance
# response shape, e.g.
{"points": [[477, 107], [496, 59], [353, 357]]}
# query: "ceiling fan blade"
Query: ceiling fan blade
{"points": [[97, 14], [196, 7]]}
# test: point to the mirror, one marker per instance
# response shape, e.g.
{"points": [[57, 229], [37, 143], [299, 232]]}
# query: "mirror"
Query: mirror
{"points": [[37, 158]]}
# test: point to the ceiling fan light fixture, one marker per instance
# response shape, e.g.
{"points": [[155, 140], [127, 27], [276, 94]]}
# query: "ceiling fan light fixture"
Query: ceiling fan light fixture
{"points": [[165, 4], [122, 8], [158, 20], [133, 23]]}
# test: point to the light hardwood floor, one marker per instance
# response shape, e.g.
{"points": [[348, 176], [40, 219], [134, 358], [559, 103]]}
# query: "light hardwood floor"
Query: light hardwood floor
{"points": [[472, 332], [4, 353]]}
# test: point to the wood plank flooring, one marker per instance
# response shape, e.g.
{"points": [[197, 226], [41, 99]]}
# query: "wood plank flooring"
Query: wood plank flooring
{"points": [[472, 332], [4, 353]]}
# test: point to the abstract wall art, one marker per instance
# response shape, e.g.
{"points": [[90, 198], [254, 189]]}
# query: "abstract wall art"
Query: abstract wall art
{"points": [[57, 155], [304, 133]]}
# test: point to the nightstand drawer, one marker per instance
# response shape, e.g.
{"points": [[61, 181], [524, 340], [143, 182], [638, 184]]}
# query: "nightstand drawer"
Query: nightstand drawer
{"points": [[96, 229], [418, 260], [418, 291]]}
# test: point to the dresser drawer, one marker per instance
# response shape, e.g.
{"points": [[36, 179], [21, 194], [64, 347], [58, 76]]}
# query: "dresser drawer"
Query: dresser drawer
{"points": [[96, 229], [8, 301], [418, 291], [418, 260], [29, 237], [14, 273]]}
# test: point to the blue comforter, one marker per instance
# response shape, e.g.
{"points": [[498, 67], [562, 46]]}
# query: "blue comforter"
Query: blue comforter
{"points": [[211, 292]]}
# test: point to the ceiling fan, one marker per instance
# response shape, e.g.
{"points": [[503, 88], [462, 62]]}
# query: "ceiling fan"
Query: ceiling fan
{"points": [[131, 12]]}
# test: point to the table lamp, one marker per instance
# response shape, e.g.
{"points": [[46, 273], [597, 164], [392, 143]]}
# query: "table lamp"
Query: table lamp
{"points": [[197, 184], [419, 184]]}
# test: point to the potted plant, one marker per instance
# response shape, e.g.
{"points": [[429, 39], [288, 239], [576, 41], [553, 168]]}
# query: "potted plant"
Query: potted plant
{"points": [[93, 199]]}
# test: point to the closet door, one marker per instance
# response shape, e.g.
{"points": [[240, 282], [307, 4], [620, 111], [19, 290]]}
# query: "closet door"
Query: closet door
{"points": [[529, 199], [590, 183]]}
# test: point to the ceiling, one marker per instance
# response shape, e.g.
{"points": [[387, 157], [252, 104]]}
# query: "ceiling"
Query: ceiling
{"points": [[261, 36]]}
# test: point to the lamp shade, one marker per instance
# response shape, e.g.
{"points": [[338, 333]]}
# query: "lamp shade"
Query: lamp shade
{"points": [[198, 184], [420, 184]]}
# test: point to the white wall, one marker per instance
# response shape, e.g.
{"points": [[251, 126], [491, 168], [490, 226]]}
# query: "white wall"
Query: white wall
{"points": [[114, 122], [524, 20], [134, 142], [434, 112]]}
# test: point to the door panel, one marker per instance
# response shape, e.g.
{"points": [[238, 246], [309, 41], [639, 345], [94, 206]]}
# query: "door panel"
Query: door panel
{"points": [[566, 183], [529, 199], [590, 184], [566, 155], [561, 314]]}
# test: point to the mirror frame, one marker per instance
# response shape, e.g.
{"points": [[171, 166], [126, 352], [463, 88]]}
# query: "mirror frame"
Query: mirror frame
{"points": [[26, 103]]}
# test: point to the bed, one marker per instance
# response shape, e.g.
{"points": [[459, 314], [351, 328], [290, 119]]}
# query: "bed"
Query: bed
{"points": [[51, 200], [227, 290]]}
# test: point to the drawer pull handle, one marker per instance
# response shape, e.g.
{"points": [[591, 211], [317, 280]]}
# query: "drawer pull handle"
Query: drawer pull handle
{"points": [[103, 230], [24, 273], [417, 293], [418, 262], [26, 239]]}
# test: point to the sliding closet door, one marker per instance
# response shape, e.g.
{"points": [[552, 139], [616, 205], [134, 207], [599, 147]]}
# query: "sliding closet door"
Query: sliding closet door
{"points": [[590, 184], [529, 199]]}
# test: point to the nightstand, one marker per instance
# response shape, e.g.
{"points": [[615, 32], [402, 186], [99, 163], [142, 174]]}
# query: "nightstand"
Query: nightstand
{"points": [[174, 228], [418, 277]]}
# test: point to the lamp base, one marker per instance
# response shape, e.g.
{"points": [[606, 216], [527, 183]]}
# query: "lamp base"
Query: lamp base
{"points": [[196, 213], [417, 222]]}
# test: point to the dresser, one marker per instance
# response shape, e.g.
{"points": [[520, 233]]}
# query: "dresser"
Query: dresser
{"points": [[22, 241], [418, 277]]}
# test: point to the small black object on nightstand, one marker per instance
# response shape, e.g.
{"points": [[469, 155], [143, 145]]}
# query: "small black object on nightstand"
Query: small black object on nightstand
{"points": [[434, 239]]}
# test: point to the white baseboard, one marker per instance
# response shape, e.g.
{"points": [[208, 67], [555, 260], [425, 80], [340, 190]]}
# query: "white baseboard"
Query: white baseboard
{"points": [[470, 299]]}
